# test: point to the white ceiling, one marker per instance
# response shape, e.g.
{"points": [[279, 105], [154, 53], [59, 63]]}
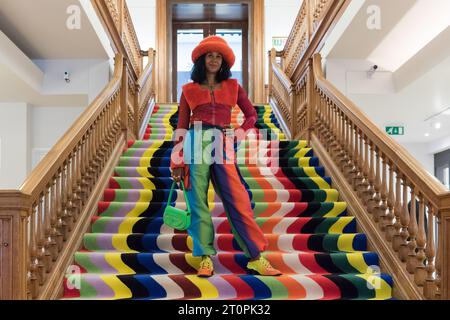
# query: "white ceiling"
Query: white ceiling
{"points": [[39, 29], [357, 41], [422, 81]]}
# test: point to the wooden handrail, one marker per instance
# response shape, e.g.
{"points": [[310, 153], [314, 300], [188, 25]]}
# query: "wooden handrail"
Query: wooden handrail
{"points": [[42, 223]]}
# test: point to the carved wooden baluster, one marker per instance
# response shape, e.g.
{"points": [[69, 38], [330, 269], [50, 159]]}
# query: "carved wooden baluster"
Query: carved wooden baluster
{"points": [[420, 273], [90, 160], [341, 153], [404, 219], [349, 164], [96, 150], [59, 213], [411, 262], [430, 284], [377, 198], [345, 159], [33, 253], [98, 146], [83, 171], [321, 118], [64, 212], [69, 203], [353, 171], [325, 118], [53, 221], [111, 134], [383, 193], [438, 262], [110, 128], [333, 144], [328, 125], [390, 216], [397, 211], [76, 210], [47, 231], [360, 165], [366, 171], [79, 190], [372, 180], [104, 139], [40, 242]]}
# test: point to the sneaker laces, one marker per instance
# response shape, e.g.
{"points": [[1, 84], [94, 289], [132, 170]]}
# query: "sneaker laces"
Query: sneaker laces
{"points": [[266, 263], [205, 263]]}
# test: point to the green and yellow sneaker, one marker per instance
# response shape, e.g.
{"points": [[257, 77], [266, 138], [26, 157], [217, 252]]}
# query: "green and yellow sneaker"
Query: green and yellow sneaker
{"points": [[206, 268], [262, 267]]}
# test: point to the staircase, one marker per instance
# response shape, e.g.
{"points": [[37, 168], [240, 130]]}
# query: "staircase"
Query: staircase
{"points": [[130, 254]]}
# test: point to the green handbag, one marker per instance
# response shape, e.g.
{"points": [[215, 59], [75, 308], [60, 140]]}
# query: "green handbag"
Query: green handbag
{"points": [[174, 217]]}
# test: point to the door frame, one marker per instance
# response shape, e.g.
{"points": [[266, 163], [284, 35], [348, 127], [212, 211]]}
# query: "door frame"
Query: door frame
{"points": [[213, 26], [257, 56]]}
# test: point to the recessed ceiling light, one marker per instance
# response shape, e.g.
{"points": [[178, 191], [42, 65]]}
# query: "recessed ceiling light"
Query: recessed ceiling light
{"points": [[437, 125], [427, 134]]}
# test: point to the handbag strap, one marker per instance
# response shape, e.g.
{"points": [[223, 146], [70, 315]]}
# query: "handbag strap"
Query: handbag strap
{"points": [[184, 192], [185, 197]]}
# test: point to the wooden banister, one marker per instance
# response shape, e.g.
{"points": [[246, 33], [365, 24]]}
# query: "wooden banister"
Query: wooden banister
{"points": [[42, 223], [404, 210]]}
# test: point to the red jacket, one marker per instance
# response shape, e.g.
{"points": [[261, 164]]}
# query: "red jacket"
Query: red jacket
{"points": [[214, 110]]}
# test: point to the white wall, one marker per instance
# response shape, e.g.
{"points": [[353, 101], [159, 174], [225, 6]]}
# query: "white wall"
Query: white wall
{"points": [[27, 133], [43, 137], [14, 144], [421, 151], [143, 13], [279, 19], [87, 76]]}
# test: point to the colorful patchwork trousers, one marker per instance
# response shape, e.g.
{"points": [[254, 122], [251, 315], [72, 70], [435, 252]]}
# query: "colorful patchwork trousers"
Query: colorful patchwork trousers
{"points": [[210, 160]]}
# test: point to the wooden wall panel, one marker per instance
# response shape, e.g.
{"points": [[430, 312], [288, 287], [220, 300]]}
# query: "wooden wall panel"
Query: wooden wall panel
{"points": [[257, 55]]}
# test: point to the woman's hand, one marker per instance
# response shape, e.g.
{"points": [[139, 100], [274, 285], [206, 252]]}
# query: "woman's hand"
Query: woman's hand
{"points": [[178, 174]]}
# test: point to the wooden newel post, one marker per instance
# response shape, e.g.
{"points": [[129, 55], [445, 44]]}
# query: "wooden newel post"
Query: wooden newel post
{"points": [[272, 57], [310, 96], [124, 99], [15, 208]]}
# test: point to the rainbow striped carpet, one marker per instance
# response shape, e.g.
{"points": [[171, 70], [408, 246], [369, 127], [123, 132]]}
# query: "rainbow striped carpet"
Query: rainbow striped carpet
{"points": [[130, 254]]}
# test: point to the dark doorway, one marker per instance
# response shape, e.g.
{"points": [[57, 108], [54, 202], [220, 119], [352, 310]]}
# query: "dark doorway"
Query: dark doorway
{"points": [[193, 22], [442, 167]]}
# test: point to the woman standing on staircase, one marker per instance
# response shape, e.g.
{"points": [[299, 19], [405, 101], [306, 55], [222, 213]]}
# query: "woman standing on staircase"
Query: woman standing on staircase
{"points": [[211, 97]]}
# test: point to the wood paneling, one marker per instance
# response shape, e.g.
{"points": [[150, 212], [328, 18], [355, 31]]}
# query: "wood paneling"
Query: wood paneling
{"points": [[257, 55], [162, 66]]}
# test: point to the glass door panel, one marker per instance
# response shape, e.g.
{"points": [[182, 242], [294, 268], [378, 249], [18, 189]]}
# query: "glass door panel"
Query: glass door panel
{"points": [[234, 39], [187, 39]]}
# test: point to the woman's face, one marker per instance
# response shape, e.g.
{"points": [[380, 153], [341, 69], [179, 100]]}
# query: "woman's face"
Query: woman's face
{"points": [[213, 61]]}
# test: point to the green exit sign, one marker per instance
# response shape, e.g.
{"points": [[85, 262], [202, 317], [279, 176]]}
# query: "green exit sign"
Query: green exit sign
{"points": [[395, 130]]}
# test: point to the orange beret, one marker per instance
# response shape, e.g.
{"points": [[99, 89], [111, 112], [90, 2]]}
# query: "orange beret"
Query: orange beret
{"points": [[214, 44]]}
